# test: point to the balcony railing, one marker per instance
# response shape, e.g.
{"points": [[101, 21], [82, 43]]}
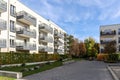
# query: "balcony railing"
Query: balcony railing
{"points": [[43, 48], [25, 46], [106, 42], [49, 49], [26, 32], [58, 35], [107, 33], [26, 18], [57, 43], [32, 46], [3, 6], [43, 38], [45, 28], [22, 46], [3, 24], [2, 43]]}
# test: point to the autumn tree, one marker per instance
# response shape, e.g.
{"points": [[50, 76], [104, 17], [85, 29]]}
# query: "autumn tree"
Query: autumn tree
{"points": [[82, 49], [110, 47], [75, 48]]}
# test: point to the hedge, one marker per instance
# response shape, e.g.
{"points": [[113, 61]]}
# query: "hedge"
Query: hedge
{"points": [[16, 58], [108, 57], [102, 57]]}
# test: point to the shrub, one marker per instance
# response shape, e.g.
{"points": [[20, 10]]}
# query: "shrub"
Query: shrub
{"points": [[102, 57], [19, 58], [113, 58]]}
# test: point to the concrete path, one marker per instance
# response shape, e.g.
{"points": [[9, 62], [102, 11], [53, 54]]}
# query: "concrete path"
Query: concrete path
{"points": [[82, 70]]}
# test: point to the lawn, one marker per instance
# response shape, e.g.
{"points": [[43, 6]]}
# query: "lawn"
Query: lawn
{"points": [[43, 67], [6, 78]]}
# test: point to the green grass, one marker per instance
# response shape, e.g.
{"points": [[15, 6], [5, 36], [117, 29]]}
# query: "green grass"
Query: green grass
{"points": [[6, 78], [42, 68]]}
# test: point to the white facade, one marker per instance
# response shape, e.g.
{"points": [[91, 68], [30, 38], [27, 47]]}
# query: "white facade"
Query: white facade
{"points": [[23, 30], [110, 33]]}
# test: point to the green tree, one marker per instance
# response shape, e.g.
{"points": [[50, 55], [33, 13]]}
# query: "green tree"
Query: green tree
{"points": [[90, 47]]}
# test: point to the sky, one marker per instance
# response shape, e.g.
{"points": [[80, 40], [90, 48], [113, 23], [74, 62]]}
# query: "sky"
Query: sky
{"points": [[80, 18]]}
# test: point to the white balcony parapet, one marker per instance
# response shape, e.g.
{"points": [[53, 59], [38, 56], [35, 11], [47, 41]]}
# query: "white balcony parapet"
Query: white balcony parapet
{"points": [[3, 24], [44, 27], [3, 6], [26, 18], [26, 32], [2, 43]]}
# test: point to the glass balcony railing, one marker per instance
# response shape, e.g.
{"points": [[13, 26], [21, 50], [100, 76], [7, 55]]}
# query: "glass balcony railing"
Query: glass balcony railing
{"points": [[22, 46], [43, 48], [25, 46], [3, 24], [107, 33], [2, 43], [106, 42], [49, 49], [3, 6], [26, 32], [43, 38], [45, 28], [26, 18]]}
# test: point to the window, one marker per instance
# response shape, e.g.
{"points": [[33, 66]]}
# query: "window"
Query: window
{"points": [[12, 44], [12, 26], [13, 10], [119, 40]]}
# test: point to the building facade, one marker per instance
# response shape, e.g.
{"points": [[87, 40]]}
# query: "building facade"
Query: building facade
{"points": [[23, 30], [110, 33]]}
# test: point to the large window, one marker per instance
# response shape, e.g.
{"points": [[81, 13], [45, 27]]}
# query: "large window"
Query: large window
{"points": [[12, 26], [13, 10]]}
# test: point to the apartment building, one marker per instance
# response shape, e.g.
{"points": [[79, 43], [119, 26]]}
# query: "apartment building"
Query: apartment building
{"points": [[110, 33], [23, 30]]}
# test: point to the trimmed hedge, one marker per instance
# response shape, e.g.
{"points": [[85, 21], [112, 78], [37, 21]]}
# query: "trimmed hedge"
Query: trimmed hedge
{"points": [[108, 57], [16, 58], [102, 57]]}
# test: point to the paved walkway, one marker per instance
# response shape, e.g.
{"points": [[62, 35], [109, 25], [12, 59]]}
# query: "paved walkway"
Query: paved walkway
{"points": [[82, 70]]}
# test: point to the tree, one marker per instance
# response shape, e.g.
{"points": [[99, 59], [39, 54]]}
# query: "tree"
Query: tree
{"points": [[74, 50], [110, 47], [97, 47], [82, 49], [90, 47]]}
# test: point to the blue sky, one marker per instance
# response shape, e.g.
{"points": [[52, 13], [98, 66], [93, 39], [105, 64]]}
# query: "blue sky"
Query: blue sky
{"points": [[81, 18]]}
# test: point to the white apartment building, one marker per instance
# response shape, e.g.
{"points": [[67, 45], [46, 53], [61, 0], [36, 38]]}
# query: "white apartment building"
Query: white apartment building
{"points": [[23, 30], [110, 33]]}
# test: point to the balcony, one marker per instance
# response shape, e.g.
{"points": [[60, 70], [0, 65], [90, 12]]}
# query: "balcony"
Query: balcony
{"points": [[49, 49], [32, 46], [106, 42], [2, 43], [45, 28], [26, 33], [58, 35], [3, 25], [111, 33], [3, 6], [50, 39], [43, 38], [22, 46], [60, 51], [57, 43], [43, 48], [26, 18]]}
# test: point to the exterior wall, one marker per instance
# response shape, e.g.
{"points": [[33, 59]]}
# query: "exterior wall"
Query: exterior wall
{"points": [[31, 33], [110, 33]]}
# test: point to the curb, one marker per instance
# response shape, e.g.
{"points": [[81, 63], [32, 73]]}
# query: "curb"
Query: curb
{"points": [[112, 73]]}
